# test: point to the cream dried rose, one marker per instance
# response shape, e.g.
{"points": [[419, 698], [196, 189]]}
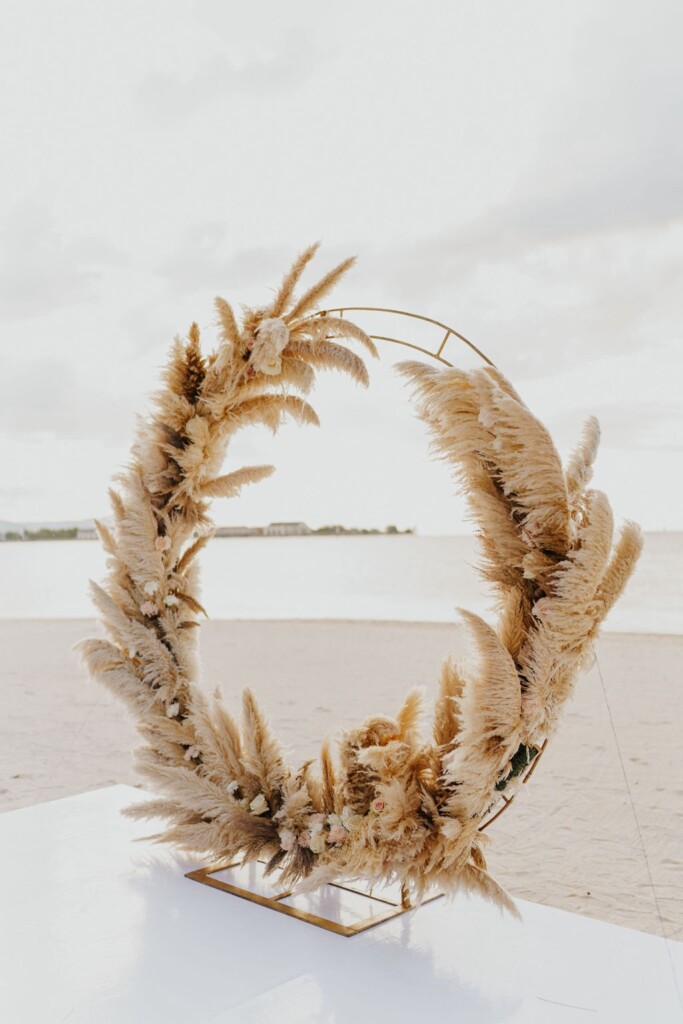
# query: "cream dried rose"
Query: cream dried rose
{"points": [[350, 820], [317, 842], [337, 835], [271, 340], [287, 839], [259, 805]]}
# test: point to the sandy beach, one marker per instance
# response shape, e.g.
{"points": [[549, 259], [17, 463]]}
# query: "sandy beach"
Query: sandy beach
{"points": [[571, 841]]}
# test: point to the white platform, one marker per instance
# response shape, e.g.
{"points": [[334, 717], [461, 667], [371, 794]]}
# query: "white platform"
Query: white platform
{"points": [[96, 928]]}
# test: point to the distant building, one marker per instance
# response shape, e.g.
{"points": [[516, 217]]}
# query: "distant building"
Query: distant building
{"points": [[86, 533], [239, 531], [287, 530]]}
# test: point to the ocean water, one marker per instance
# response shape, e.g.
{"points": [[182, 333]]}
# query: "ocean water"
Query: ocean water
{"points": [[404, 578]]}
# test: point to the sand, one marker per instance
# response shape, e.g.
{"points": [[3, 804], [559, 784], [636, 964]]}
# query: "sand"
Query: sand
{"points": [[570, 841]]}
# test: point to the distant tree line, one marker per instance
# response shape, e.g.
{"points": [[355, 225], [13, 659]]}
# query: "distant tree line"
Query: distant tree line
{"points": [[44, 534]]}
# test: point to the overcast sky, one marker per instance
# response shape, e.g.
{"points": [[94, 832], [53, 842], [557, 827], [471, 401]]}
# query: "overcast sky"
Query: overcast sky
{"points": [[513, 169]]}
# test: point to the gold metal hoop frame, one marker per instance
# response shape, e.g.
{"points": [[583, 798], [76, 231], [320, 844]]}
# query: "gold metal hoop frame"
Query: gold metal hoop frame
{"points": [[437, 354]]}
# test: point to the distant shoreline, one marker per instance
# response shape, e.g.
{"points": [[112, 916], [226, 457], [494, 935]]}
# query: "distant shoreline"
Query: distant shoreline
{"points": [[295, 529]]}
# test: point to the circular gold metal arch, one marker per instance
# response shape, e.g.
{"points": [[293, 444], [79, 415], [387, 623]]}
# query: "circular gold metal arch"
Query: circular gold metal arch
{"points": [[435, 354]]}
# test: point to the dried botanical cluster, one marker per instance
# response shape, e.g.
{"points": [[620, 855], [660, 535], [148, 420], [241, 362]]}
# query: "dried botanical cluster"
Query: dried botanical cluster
{"points": [[393, 805]]}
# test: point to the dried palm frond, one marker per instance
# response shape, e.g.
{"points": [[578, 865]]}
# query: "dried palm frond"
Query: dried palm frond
{"points": [[446, 712], [230, 485], [312, 298], [580, 467], [291, 279]]}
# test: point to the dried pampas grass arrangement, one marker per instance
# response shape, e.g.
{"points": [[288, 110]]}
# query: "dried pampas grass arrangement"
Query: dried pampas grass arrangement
{"points": [[394, 804]]}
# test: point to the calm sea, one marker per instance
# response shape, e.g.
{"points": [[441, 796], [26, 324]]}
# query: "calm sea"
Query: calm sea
{"points": [[406, 578]]}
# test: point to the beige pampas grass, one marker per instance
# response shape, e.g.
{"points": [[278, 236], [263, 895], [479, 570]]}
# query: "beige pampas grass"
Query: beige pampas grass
{"points": [[394, 805]]}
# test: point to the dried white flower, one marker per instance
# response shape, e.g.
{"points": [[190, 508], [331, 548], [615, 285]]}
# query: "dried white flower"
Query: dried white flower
{"points": [[317, 840], [172, 709], [171, 601], [337, 835], [271, 340], [232, 787], [259, 805], [350, 820], [287, 839], [151, 587]]}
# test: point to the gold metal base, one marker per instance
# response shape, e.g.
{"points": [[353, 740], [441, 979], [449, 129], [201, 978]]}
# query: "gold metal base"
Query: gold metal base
{"points": [[343, 909]]}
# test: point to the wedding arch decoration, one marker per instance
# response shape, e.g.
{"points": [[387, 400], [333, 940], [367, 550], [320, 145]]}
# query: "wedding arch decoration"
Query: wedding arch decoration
{"points": [[393, 804]]}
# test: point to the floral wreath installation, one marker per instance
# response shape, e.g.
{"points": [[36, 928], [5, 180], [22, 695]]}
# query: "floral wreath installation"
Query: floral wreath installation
{"points": [[393, 805]]}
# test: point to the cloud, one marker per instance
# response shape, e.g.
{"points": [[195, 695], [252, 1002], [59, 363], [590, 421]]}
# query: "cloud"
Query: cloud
{"points": [[46, 397], [583, 255], [539, 308], [145, 326], [41, 270], [609, 142], [204, 255], [12, 493], [165, 97], [205, 259], [644, 426]]}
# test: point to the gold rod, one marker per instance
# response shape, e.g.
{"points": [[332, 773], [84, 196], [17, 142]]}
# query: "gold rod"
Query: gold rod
{"points": [[535, 762], [389, 911], [414, 316], [443, 343], [506, 802], [482, 828], [370, 896], [409, 344]]}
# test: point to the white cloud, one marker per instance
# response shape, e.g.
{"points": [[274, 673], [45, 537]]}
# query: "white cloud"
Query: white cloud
{"points": [[41, 269], [167, 97], [205, 253]]}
